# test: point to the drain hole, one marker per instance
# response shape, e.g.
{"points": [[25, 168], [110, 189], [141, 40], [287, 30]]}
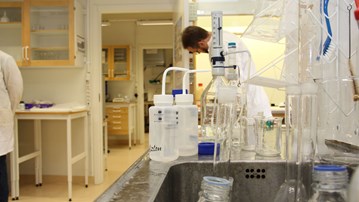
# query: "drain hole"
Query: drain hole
{"points": [[255, 173]]}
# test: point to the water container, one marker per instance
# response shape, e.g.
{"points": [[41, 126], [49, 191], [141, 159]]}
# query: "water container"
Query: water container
{"points": [[163, 118], [329, 183], [187, 125]]}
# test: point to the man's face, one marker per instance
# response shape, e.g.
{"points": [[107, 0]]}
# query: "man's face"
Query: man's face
{"points": [[202, 48]]}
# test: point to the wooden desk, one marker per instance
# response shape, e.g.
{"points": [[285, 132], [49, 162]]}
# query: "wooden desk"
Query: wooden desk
{"points": [[121, 120], [37, 116]]}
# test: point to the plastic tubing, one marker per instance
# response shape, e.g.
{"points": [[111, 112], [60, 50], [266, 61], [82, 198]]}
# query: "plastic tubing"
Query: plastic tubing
{"points": [[165, 74], [186, 75]]}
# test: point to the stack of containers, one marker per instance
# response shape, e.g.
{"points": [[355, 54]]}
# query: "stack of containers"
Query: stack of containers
{"points": [[164, 124]]}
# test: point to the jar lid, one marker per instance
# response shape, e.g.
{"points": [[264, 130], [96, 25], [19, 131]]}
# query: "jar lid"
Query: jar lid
{"points": [[330, 168], [216, 181], [207, 148]]}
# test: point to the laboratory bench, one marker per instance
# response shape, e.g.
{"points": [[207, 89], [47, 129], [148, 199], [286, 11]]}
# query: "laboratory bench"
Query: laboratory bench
{"points": [[37, 115]]}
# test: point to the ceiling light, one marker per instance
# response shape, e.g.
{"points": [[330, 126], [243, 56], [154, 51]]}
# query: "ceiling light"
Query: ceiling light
{"points": [[154, 22]]}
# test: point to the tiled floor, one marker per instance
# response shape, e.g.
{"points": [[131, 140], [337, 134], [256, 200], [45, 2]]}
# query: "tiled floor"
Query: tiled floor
{"points": [[54, 188]]}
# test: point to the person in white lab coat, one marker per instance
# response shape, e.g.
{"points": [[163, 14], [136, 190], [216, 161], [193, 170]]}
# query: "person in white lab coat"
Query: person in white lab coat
{"points": [[198, 40], [11, 87]]}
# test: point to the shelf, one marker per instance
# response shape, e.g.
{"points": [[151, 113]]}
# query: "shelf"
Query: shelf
{"points": [[51, 49], [51, 11], [10, 25], [50, 32]]}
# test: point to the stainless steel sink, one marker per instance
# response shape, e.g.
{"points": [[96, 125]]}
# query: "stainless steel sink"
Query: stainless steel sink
{"points": [[253, 181]]}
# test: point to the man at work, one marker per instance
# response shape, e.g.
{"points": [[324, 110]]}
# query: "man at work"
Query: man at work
{"points": [[11, 87], [198, 40]]}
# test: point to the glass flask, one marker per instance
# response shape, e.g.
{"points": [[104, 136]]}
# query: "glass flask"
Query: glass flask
{"points": [[329, 183], [214, 189]]}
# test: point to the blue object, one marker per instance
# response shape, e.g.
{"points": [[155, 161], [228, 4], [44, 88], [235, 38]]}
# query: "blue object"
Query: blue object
{"points": [[178, 91], [207, 148], [330, 168], [329, 29]]}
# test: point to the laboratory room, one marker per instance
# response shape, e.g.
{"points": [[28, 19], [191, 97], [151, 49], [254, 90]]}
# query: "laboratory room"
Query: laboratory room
{"points": [[179, 100]]}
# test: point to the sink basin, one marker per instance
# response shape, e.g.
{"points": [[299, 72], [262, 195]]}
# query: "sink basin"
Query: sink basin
{"points": [[253, 181]]}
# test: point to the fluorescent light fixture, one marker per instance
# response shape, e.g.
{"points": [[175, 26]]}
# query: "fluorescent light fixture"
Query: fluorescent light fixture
{"points": [[154, 22]]}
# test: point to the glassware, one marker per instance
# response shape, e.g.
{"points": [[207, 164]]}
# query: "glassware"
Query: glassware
{"points": [[214, 189], [247, 133], [329, 183], [293, 190], [209, 99], [269, 136]]}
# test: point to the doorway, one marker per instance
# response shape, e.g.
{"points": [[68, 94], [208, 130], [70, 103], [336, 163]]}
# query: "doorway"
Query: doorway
{"points": [[155, 62]]}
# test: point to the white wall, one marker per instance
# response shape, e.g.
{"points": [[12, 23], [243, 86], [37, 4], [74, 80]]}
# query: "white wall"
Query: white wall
{"points": [[58, 85], [128, 33]]}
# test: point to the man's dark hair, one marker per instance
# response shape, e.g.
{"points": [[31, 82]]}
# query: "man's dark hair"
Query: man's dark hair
{"points": [[192, 35]]}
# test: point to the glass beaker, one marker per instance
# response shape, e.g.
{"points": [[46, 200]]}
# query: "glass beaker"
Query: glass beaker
{"points": [[269, 136], [247, 133]]}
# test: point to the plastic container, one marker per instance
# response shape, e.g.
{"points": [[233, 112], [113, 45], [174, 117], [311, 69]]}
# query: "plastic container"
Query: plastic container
{"points": [[214, 189], [207, 148], [329, 183], [187, 125], [163, 118]]}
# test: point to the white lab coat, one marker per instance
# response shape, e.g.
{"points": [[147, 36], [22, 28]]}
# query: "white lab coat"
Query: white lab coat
{"points": [[257, 99], [11, 87]]}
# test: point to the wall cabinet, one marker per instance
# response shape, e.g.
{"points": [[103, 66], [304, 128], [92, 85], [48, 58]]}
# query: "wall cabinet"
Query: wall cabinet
{"points": [[11, 21], [116, 62], [39, 32]]}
